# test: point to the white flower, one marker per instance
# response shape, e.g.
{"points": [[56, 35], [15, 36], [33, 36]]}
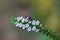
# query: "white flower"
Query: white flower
{"points": [[23, 20], [17, 24], [20, 25], [19, 18], [33, 22], [37, 22], [27, 25], [29, 29], [23, 26], [29, 22], [43, 28], [37, 30], [26, 20], [34, 28], [27, 17], [40, 25]]}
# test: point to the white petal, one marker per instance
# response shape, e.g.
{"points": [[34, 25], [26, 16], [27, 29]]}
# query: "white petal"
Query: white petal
{"points": [[20, 25], [23, 27], [29, 22], [27, 17], [29, 29], [17, 24], [37, 22], [37, 30], [34, 28], [33, 22], [26, 20], [19, 18], [23, 20], [40, 25], [45, 26], [27, 25]]}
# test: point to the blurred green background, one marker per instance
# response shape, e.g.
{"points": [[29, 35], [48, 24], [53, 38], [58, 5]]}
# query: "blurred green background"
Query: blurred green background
{"points": [[47, 11]]}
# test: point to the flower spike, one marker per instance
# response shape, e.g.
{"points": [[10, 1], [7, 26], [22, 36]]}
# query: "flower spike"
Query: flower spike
{"points": [[32, 25]]}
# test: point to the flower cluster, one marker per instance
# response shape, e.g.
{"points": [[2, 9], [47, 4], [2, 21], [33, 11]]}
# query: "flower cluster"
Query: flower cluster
{"points": [[27, 23], [32, 25]]}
